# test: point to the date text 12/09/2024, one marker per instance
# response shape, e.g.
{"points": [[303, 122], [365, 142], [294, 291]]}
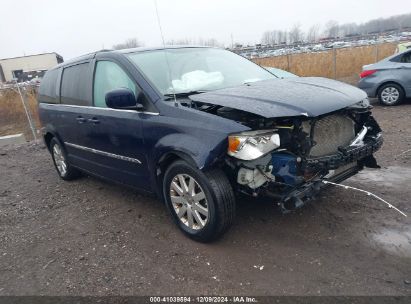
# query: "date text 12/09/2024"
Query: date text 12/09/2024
{"points": [[204, 299]]}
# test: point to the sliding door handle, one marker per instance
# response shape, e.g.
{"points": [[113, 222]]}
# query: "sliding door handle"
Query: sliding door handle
{"points": [[93, 120], [81, 119]]}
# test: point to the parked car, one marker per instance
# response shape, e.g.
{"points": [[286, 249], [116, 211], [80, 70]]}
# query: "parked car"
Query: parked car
{"points": [[388, 79], [403, 47], [280, 73], [198, 125]]}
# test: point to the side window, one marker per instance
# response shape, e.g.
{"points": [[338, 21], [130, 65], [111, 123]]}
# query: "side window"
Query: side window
{"points": [[47, 90], [74, 85], [109, 76], [406, 58]]}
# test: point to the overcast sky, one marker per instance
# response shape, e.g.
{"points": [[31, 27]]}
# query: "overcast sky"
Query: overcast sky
{"points": [[75, 27]]}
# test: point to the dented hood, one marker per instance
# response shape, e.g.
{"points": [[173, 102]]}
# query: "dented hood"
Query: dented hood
{"points": [[302, 96]]}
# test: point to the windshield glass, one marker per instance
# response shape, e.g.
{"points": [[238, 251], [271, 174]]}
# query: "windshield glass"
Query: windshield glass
{"points": [[196, 69]]}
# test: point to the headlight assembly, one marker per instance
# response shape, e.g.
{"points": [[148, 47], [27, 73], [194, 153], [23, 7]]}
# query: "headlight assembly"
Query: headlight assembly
{"points": [[252, 144], [365, 103]]}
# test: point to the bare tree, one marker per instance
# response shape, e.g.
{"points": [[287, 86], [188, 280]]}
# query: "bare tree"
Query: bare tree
{"points": [[266, 38], [128, 44], [349, 29], [183, 41], [403, 21], [200, 41], [210, 42], [313, 33], [332, 29], [296, 34], [270, 38], [282, 37]]}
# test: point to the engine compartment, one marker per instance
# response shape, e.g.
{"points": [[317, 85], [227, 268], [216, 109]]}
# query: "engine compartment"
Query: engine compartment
{"points": [[332, 146]]}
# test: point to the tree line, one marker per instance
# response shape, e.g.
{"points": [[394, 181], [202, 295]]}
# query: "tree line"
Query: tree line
{"points": [[134, 42], [332, 29]]}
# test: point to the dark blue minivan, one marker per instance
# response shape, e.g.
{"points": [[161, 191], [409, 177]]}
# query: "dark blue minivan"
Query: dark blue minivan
{"points": [[199, 125]]}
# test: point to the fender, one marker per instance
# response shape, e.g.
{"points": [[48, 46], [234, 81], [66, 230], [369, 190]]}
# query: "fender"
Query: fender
{"points": [[186, 147], [202, 153], [49, 129], [390, 80]]}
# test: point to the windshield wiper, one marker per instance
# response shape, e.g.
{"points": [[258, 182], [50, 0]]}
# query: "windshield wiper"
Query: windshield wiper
{"points": [[183, 94]]}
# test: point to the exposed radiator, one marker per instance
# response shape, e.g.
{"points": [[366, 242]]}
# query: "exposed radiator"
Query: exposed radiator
{"points": [[330, 133]]}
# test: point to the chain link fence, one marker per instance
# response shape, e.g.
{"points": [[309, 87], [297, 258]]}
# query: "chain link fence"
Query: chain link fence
{"points": [[19, 110], [343, 64]]}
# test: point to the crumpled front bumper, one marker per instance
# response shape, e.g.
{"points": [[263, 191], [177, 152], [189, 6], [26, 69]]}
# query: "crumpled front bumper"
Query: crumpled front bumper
{"points": [[345, 155], [299, 196], [346, 163]]}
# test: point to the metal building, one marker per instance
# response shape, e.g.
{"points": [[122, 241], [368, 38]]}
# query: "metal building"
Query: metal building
{"points": [[26, 68]]}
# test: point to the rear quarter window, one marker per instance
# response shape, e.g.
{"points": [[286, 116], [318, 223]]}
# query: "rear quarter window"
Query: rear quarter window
{"points": [[404, 57], [74, 85], [47, 90]]}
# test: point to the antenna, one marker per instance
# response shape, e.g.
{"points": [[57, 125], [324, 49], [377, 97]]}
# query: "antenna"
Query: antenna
{"points": [[165, 53]]}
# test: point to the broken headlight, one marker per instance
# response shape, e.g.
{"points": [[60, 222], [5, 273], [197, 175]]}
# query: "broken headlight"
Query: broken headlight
{"points": [[365, 103], [252, 144]]}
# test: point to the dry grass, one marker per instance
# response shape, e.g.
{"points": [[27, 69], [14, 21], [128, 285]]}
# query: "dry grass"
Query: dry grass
{"points": [[13, 118], [346, 66]]}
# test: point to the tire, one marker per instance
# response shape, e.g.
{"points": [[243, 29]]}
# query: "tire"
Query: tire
{"points": [[63, 168], [214, 194], [390, 94]]}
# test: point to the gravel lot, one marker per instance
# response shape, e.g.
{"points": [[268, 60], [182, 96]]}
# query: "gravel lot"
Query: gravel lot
{"points": [[89, 237]]}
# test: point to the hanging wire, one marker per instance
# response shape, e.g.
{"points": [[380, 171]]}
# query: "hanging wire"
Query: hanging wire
{"points": [[368, 193]]}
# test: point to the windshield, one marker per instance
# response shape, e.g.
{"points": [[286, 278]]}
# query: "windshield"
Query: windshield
{"points": [[196, 69]]}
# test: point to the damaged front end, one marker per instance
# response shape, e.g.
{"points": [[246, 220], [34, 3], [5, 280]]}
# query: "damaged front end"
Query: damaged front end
{"points": [[288, 158]]}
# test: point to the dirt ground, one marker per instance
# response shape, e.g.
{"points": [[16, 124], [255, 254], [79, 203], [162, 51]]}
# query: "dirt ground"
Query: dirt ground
{"points": [[88, 237]]}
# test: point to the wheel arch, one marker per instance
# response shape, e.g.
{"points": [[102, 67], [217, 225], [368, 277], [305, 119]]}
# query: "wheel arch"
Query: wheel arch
{"points": [[49, 134], [390, 82], [164, 162], [47, 139]]}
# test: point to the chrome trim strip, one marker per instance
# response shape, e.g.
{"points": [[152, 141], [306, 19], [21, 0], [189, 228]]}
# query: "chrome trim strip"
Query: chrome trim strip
{"points": [[98, 108], [116, 156]]}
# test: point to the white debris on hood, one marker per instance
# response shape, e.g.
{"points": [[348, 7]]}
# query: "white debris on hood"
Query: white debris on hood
{"points": [[197, 80]]}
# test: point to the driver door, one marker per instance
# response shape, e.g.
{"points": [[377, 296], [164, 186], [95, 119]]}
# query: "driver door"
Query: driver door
{"points": [[114, 137]]}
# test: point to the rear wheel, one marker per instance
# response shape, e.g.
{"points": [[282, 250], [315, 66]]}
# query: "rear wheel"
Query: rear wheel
{"points": [[390, 94], [201, 204], [64, 169]]}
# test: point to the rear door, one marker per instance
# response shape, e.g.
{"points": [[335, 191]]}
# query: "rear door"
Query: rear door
{"points": [[402, 72], [75, 101], [113, 140]]}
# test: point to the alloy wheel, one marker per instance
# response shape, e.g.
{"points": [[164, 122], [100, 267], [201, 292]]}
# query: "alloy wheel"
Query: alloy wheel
{"points": [[59, 160], [390, 95], [189, 201]]}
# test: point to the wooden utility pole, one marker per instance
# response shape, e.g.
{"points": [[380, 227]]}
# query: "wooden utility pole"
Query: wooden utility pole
{"points": [[335, 62]]}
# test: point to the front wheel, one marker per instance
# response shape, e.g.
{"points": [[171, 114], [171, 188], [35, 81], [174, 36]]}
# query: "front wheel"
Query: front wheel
{"points": [[201, 204]]}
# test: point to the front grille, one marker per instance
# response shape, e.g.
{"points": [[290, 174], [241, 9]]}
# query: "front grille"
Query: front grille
{"points": [[330, 133]]}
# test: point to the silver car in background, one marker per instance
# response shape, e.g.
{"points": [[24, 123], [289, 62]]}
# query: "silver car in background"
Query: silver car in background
{"points": [[388, 79]]}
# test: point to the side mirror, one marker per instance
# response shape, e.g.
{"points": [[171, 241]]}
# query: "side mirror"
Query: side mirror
{"points": [[122, 98]]}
